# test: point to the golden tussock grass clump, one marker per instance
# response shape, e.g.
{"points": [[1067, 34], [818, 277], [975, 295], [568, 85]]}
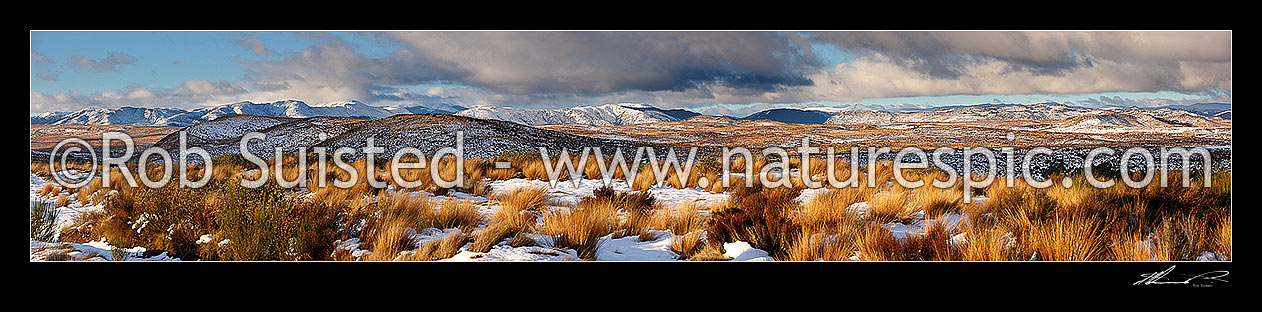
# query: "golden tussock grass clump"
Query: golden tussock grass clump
{"points": [[820, 244], [682, 219], [63, 200], [501, 174], [986, 243], [637, 207], [88, 194], [479, 188], [738, 164], [41, 168], [878, 244], [515, 215], [829, 207], [687, 245], [890, 206], [935, 201], [84, 227], [504, 223], [533, 168], [935, 243], [223, 172], [1003, 201], [646, 179], [394, 222], [391, 238], [883, 174], [523, 199], [1183, 238], [1131, 246], [475, 177], [362, 189], [82, 195], [581, 227], [448, 168], [1222, 237], [709, 252], [1070, 238], [694, 178], [439, 249], [419, 176], [521, 240], [453, 213], [995, 239], [1077, 195], [714, 183], [591, 169], [48, 189], [117, 180], [841, 171], [817, 172], [92, 187]]}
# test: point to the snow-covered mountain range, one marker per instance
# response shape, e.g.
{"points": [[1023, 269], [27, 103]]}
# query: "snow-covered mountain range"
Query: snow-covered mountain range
{"points": [[622, 113], [602, 115], [425, 132], [995, 112], [180, 117]]}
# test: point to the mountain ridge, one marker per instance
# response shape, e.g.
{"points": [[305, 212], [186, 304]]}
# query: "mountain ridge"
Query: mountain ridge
{"points": [[166, 116], [613, 114], [1001, 112]]}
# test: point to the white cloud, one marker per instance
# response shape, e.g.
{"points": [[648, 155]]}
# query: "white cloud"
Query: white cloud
{"points": [[107, 64], [718, 71]]}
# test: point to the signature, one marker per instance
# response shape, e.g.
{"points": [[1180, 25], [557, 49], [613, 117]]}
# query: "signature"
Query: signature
{"points": [[1165, 278]]}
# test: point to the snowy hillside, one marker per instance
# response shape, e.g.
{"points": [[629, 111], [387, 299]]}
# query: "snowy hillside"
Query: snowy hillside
{"points": [[180, 117], [1199, 115], [1136, 120], [482, 138], [1040, 111], [297, 109], [603, 115], [117, 116]]}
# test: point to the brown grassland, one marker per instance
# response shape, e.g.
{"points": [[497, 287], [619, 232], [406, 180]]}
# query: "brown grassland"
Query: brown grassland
{"points": [[272, 222]]}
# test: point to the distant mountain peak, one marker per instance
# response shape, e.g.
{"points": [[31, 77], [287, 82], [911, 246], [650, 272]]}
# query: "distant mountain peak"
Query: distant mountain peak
{"points": [[790, 115], [601, 115], [634, 105]]}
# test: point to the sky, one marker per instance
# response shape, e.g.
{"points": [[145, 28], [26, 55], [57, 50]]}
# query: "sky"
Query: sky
{"points": [[711, 72]]}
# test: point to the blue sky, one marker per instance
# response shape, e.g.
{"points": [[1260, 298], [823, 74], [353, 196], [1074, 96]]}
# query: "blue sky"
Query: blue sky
{"points": [[167, 58], [732, 73]]}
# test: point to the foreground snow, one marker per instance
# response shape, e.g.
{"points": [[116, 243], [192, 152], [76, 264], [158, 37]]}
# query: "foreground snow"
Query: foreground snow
{"points": [[564, 194], [568, 193], [561, 196], [91, 251]]}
